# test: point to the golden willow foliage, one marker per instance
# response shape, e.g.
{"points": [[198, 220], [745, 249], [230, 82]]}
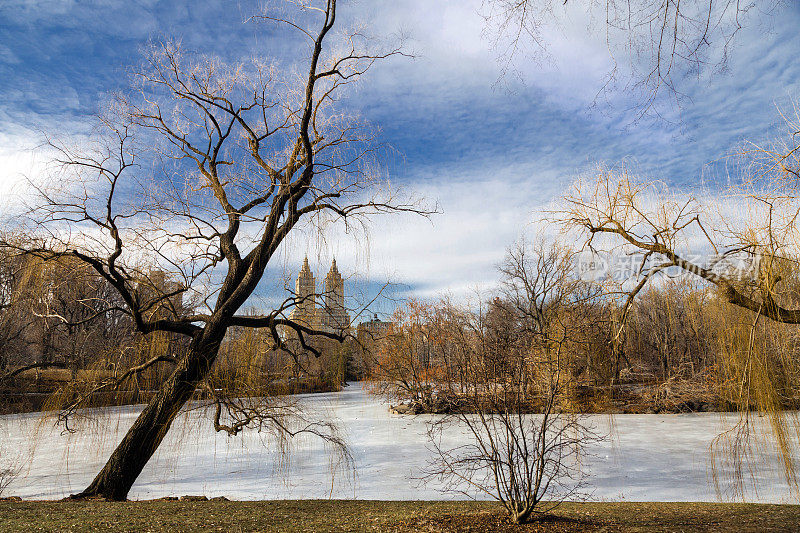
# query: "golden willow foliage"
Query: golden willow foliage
{"points": [[751, 314], [251, 365], [757, 373], [443, 357], [106, 380], [404, 363], [685, 349], [62, 331]]}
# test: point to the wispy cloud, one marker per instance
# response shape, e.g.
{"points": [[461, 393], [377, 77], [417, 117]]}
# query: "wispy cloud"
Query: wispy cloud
{"points": [[492, 155]]}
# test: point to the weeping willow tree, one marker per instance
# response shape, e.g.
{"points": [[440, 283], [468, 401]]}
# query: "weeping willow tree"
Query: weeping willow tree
{"points": [[204, 168], [746, 248]]}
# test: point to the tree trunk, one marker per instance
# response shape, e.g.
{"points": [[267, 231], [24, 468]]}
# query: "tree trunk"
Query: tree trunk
{"points": [[145, 435], [522, 513]]}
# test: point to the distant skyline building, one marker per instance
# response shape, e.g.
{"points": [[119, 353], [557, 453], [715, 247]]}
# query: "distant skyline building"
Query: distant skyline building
{"points": [[332, 316], [372, 330]]}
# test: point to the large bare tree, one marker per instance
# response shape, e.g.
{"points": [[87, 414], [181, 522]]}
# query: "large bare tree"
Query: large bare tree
{"points": [[203, 170]]}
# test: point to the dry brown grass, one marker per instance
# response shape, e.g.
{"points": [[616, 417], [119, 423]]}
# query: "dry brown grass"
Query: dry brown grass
{"points": [[390, 516]]}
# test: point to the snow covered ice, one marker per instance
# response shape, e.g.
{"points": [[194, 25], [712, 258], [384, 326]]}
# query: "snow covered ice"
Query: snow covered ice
{"points": [[647, 457]]}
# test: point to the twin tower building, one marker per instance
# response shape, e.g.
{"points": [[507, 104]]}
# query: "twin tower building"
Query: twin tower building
{"points": [[332, 316]]}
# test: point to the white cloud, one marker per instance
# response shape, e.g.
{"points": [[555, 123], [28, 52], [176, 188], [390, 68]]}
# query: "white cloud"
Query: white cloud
{"points": [[483, 211], [492, 192], [19, 160]]}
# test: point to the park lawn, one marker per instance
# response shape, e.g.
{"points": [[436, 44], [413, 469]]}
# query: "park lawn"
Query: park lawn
{"points": [[391, 516]]}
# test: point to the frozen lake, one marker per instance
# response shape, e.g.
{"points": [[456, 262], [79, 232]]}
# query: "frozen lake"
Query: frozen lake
{"points": [[648, 457]]}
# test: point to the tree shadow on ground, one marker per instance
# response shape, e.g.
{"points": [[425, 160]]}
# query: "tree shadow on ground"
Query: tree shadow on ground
{"points": [[500, 522]]}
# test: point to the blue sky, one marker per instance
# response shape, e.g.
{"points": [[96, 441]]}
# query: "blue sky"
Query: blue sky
{"points": [[493, 154]]}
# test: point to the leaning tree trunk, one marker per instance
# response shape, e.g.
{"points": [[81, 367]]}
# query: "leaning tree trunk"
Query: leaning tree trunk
{"points": [[145, 435]]}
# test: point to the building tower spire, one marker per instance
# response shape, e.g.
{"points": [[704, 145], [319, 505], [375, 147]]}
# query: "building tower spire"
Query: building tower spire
{"points": [[332, 316], [336, 316], [305, 290]]}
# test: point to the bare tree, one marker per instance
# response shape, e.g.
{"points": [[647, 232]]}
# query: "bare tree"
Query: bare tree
{"points": [[10, 468], [406, 366], [653, 44], [744, 247], [7, 475], [231, 158], [645, 217], [519, 458], [525, 437]]}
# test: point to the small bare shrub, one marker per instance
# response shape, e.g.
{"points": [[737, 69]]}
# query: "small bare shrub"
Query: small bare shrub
{"points": [[9, 471]]}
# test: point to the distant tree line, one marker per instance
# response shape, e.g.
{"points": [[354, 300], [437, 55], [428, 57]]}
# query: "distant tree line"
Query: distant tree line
{"points": [[676, 351], [64, 332]]}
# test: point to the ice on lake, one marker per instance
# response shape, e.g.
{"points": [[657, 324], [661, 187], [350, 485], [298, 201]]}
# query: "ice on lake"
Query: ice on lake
{"points": [[647, 457]]}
